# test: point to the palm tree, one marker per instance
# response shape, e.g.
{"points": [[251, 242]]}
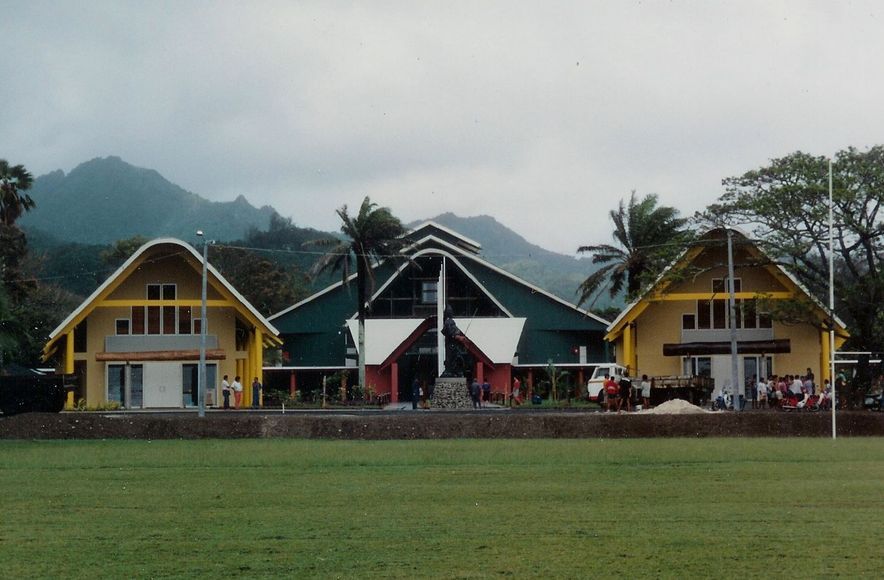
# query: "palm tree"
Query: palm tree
{"points": [[14, 181], [647, 236], [373, 235]]}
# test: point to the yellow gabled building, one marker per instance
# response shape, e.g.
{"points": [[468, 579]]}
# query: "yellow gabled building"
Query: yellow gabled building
{"points": [[136, 339], [681, 325]]}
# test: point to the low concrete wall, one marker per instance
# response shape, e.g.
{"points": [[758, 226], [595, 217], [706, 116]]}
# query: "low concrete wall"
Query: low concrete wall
{"points": [[434, 425]]}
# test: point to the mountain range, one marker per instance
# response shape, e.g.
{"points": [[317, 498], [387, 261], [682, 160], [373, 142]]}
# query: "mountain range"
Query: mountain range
{"points": [[106, 199]]}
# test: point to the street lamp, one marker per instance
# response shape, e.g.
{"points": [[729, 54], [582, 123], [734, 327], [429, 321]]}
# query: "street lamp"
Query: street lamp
{"points": [[201, 374]]}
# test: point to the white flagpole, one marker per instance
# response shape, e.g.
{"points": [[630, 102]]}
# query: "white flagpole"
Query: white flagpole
{"points": [[832, 303], [440, 314]]}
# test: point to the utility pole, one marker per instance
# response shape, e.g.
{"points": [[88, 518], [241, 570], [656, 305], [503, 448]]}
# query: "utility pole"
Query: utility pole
{"points": [[201, 373], [735, 377]]}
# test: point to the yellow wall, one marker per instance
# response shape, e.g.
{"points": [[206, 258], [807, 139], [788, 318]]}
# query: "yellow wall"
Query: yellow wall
{"points": [[165, 269], [101, 323], [661, 321], [806, 350]]}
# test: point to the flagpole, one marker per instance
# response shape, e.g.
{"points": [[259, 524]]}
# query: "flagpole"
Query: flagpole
{"points": [[440, 316], [832, 303]]}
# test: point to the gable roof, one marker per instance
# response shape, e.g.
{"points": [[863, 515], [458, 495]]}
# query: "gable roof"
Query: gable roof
{"points": [[456, 252], [441, 232], [115, 279], [633, 309]]}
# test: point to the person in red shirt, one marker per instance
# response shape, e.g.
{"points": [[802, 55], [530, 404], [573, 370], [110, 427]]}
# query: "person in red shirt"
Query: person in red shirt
{"points": [[517, 391], [611, 391]]}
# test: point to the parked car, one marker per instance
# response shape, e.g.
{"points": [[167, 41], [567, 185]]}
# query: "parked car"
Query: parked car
{"points": [[38, 393]]}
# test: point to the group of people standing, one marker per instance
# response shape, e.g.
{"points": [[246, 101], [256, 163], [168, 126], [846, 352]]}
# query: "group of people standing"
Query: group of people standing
{"points": [[621, 394], [772, 391], [480, 393], [237, 390]]}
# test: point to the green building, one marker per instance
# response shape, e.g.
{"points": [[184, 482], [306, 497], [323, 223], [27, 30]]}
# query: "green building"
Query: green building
{"points": [[515, 328]]}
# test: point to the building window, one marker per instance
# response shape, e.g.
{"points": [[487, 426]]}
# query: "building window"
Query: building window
{"points": [[429, 292], [122, 325], [169, 322], [688, 322], [764, 320], [750, 317], [116, 384], [153, 320], [704, 307], [153, 291], [719, 312], [184, 322], [138, 320], [197, 325], [698, 366], [169, 292]]}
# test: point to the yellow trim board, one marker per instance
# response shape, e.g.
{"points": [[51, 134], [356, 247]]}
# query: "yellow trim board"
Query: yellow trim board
{"points": [[690, 296]]}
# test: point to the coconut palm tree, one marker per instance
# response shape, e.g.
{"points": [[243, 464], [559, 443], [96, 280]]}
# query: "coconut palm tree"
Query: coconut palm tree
{"points": [[646, 237], [14, 181], [373, 235]]}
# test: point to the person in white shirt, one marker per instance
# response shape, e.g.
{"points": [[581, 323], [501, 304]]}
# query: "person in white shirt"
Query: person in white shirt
{"points": [[225, 392], [762, 393], [237, 392], [646, 392], [797, 385]]}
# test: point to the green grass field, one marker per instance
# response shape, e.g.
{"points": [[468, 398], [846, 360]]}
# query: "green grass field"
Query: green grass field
{"points": [[453, 509]]}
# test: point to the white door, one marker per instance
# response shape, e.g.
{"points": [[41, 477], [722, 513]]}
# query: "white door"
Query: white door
{"points": [[162, 385]]}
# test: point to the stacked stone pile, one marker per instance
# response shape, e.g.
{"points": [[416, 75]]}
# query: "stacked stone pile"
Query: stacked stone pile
{"points": [[451, 393]]}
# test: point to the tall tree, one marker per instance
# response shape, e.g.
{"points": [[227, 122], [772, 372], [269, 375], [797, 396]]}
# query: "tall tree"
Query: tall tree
{"points": [[646, 238], [14, 181], [267, 285], [373, 235], [786, 206], [9, 328]]}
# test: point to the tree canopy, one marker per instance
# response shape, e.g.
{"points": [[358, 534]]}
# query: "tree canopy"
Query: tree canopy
{"points": [[373, 235], [15, 180], [646, 237], [785, 205]]}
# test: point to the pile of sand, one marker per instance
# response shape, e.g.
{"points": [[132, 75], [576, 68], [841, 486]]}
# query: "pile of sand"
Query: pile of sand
{"points": [[675, 407]]}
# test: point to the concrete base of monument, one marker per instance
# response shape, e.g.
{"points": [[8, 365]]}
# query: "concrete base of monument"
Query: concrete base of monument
{"points": [[451, 393]]}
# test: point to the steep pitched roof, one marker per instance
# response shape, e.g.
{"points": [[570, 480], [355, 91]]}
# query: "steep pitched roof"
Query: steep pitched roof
{"points": [[431, 228], [632, 310], [115, 279], [434, 243]]}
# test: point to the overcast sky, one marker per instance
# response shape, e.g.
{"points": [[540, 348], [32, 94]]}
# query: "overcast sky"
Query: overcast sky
{"points": [[541, 114]]}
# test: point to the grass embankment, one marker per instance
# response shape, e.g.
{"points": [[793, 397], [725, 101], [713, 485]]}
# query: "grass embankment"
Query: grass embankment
{"points": [[454, 509]]}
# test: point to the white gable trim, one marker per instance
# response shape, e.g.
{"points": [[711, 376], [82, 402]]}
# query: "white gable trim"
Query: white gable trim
{"points": [[515, 278], [745, 235], [453, 259], [448, 231], [459, 251], [137, 254]]}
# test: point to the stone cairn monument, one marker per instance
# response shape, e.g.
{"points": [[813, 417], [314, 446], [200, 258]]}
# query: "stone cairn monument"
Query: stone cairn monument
{"points": [[451, 390]]}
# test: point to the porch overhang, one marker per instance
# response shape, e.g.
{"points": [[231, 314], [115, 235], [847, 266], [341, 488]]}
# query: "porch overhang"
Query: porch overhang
{"points": [[782, 345], [160, 355]]}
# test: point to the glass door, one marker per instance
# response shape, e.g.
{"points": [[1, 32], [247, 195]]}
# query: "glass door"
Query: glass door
{"points": [[136, 386]]}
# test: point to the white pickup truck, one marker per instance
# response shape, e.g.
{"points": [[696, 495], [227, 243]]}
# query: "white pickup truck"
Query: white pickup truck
{"points": [[594, 386]]}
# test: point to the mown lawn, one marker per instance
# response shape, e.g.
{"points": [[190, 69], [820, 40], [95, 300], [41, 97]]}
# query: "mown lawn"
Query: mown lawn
{"points": [[454, 509]]}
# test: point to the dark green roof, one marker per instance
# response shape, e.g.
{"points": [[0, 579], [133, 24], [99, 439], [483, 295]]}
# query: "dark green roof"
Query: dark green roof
{"points": [[313, 329]]}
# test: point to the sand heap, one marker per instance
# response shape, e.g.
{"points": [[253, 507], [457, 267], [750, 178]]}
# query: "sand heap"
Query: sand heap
{"points": [[676, 407]]}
